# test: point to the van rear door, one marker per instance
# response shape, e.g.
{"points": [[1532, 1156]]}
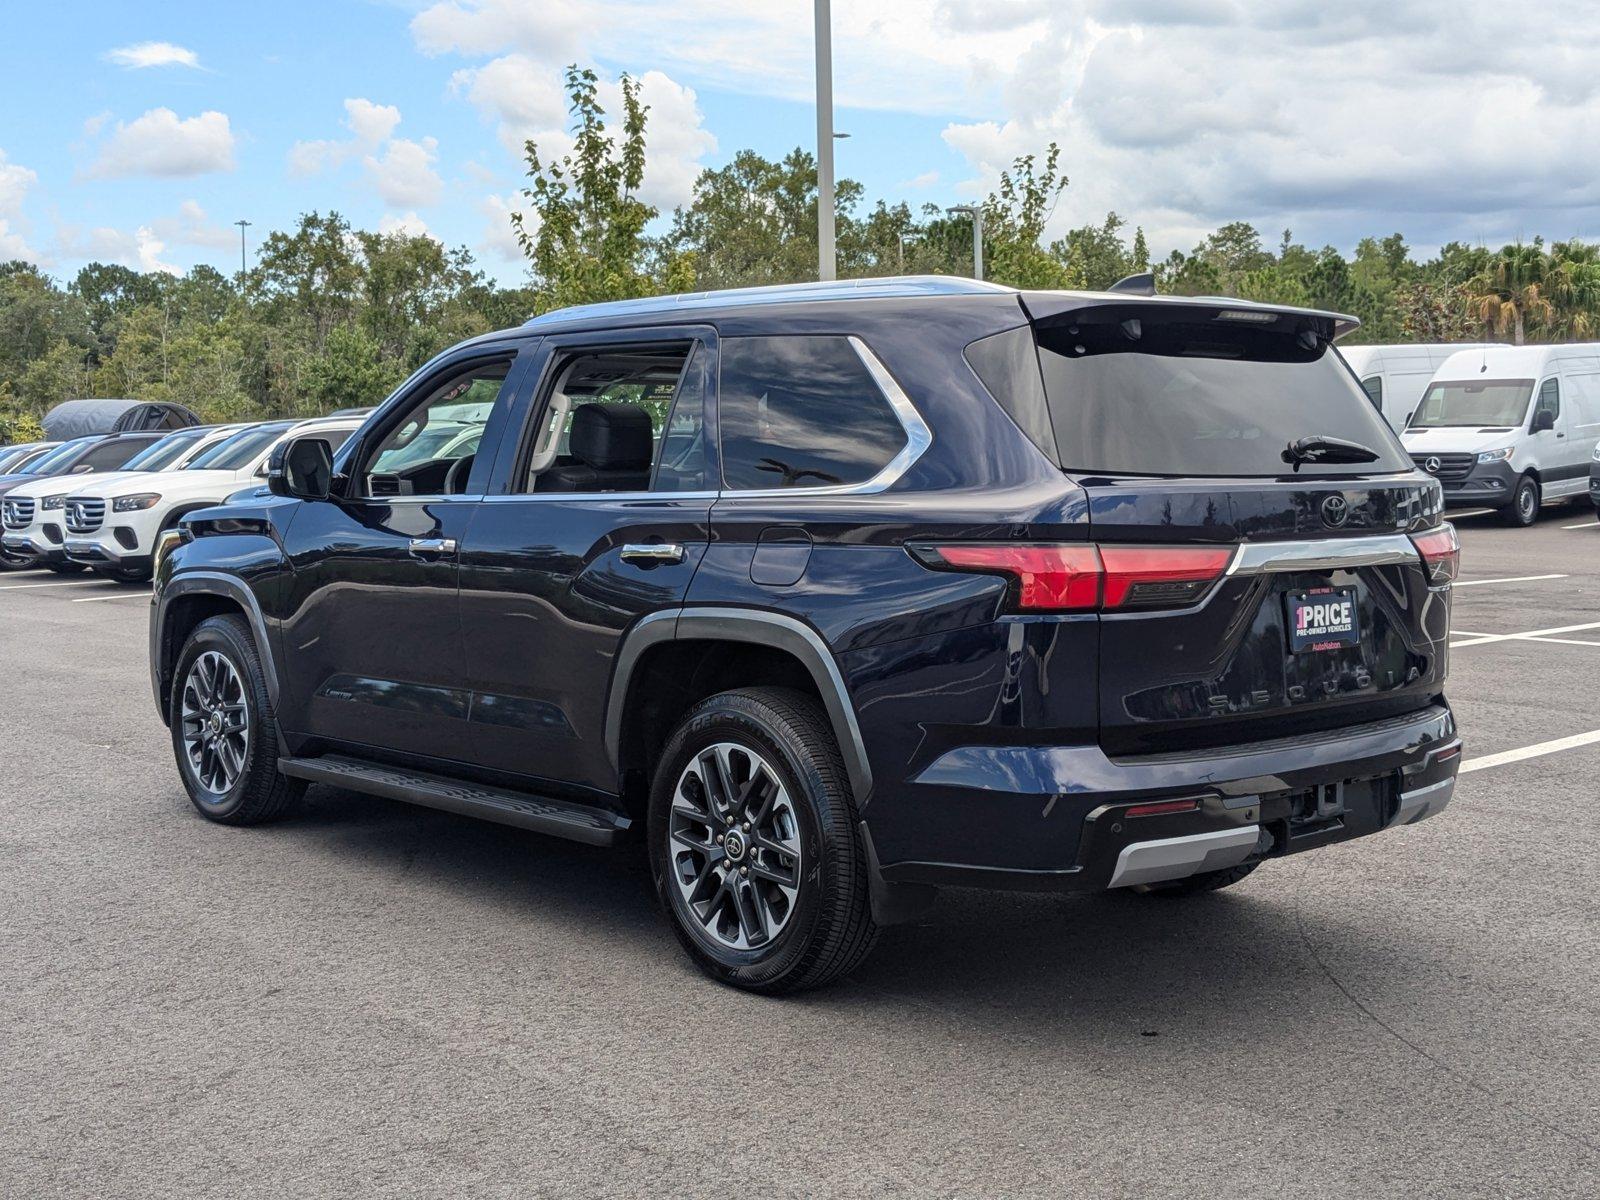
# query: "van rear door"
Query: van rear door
{"points": [[1177, 420]]}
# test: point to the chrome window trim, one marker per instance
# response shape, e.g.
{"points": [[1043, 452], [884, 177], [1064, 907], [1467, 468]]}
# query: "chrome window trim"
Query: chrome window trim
{"points": [[1317, 554], [918, 438], [549, 496]]}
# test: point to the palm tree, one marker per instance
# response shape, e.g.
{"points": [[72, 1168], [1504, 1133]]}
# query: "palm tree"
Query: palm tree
{"points": [[1579, 264], [1519, 286]]}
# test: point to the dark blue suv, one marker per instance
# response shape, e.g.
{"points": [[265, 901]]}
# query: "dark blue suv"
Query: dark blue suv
{"points": [[835, 594]]}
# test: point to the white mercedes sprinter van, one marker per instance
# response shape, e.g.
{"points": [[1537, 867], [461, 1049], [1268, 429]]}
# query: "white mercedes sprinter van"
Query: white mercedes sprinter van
{"points": [[1394, 377], [1510, 427]]}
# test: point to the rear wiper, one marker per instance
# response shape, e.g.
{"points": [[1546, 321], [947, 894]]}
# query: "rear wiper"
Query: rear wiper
{"points": [[1319, 448]]}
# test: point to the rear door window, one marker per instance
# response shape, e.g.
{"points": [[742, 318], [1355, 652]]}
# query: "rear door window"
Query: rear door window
{"points": [[797, 412], [1174, 391]]}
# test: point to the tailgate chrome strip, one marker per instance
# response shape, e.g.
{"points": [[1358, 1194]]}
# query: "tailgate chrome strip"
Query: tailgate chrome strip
{"points": [[1259, 558]]}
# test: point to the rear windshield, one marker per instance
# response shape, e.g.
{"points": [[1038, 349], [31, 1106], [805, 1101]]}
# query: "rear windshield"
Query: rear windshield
{"points": [[1134, 390], [1473, 403], [240, 450]]}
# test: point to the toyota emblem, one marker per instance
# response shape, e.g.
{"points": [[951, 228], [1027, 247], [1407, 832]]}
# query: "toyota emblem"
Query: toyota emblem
{"points": [[1431, 466], [1335, 511]]}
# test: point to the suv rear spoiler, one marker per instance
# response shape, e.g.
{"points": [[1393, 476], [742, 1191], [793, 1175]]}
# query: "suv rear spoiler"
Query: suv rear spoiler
{"points": [[1043, 307]]}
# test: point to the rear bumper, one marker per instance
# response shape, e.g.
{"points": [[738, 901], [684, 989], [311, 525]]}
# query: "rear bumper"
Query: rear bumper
{"points": [[1263, 800]]}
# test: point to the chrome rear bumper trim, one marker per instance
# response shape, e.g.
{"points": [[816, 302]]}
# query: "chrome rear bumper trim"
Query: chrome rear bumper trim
{"points": [[1320, 554], [1180, 857]]}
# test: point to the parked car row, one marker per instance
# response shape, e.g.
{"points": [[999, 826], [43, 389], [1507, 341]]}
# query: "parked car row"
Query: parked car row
{"points": [[1506, 427], [102, 501]]}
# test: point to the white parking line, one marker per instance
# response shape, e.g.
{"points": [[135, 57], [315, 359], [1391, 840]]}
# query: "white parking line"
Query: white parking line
{"points": [[1471, 512], [1508, 579], [1584, 525], [1479, 639], [1533, 751], [22, 587], [145, 596]]}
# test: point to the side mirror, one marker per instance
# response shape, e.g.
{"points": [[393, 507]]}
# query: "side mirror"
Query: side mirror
{"points": [[1543, 420], [301, 468], [81, 469]]}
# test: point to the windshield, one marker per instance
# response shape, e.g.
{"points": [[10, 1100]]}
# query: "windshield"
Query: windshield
{"points": [[1473, 403], [62, 453], [1136, 391], [164, 453], [12, 454], [240, 450]]}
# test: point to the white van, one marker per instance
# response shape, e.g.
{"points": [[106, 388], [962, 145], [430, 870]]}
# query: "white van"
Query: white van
{"points": [[1394, 377], [1510, 427]]}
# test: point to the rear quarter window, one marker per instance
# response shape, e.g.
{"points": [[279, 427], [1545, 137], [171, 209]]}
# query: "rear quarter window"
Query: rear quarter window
{"points": [[801, 411]]}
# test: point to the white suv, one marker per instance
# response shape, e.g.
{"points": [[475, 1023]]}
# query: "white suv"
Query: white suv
{"points": [[113, 524], [35, 513]]}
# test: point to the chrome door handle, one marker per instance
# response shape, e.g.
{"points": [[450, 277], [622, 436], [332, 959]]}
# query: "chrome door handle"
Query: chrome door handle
{"points": [[653, 552], [433, 547]]}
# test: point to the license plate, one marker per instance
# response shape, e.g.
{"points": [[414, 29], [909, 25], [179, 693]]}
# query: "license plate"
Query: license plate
{"points": [[1322, 619]]}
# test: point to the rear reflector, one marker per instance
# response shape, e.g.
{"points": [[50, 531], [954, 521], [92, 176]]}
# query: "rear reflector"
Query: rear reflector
{"points": [[1161, 809], [1441, 552], [1086, 577]]}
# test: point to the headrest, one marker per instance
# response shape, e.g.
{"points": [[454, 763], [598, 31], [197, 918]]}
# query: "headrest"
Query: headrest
{"points": [[611, 437]]}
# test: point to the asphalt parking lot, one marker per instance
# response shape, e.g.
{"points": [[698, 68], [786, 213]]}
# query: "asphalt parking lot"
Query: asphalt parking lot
{"points": [[371, 998]]}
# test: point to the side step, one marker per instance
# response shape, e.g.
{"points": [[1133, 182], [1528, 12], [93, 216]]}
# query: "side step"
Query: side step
{"points": [[561, 818]]}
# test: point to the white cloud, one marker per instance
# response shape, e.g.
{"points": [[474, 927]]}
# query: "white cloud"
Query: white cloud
{"points": [[153, 54], [499, 238], [920, 183], [408, 223], [371, 123], [16, 181], [141, 250], [162, 143], [485, 26], [526, 100], [403, 174]]}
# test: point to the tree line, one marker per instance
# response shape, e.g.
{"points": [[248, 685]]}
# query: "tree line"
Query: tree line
{"points": [[333, 317]]}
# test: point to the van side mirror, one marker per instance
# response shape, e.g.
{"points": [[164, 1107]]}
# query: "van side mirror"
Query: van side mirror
{"points": [[301, 468], [1543, 420]]}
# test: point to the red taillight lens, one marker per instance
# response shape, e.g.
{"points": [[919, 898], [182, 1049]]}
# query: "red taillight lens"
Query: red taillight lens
{"points": [[1441, 552], [1161, 576], [1084, 577], [1048, 577], [1161, 808]]}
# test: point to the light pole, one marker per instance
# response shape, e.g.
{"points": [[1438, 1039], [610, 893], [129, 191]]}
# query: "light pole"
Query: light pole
{"points": [[826, 268], [905, 238], [976, 213], [243, 225]]}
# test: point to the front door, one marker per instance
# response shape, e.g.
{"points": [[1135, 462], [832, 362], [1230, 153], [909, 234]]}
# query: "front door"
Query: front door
{"points": [[602, 515], [371, 623]]}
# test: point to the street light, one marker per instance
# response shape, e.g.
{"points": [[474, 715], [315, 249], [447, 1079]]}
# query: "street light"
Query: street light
{"points": [[243, 225], [976, 213], [826, 268], [905, 239]]}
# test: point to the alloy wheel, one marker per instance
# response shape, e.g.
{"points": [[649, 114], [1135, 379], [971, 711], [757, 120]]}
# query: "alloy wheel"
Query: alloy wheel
{"points": [[734, 847], [215, 723]]}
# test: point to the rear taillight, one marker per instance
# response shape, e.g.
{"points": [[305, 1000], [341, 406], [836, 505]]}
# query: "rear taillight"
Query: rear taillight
{"points": [[1161, 576], [1046, 577], [1441, 553], [1064, 578]]}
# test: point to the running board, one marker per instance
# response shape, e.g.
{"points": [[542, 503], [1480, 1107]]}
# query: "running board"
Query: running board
{"points": [[561, 818]]}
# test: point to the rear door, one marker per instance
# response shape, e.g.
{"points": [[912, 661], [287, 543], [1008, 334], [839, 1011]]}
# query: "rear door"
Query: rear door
{"points": [[1316, 610], [599, 514]]}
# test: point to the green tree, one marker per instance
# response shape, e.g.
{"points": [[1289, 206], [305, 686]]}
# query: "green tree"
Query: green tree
{"points": [[1515, 289], [588, 243]]}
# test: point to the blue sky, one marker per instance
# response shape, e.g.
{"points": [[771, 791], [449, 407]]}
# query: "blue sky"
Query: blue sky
{"points": [[1461, 122]]}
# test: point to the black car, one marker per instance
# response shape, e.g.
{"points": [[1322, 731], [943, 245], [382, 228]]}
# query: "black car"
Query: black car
{"points": [[838, 594]]}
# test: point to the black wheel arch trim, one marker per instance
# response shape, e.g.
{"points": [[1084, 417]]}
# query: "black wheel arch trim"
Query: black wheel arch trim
{"points": [[207, 583], [750, 625]]}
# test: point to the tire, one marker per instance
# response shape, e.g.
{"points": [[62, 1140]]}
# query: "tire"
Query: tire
{"points": [[128, 575], [253, 791], [805, 829], [1525, 503], [1205, 881], [66, 568]]}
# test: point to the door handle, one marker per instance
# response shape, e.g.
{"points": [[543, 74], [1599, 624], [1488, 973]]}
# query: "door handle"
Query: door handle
{"points": [[650, 553], [432, 547]]}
